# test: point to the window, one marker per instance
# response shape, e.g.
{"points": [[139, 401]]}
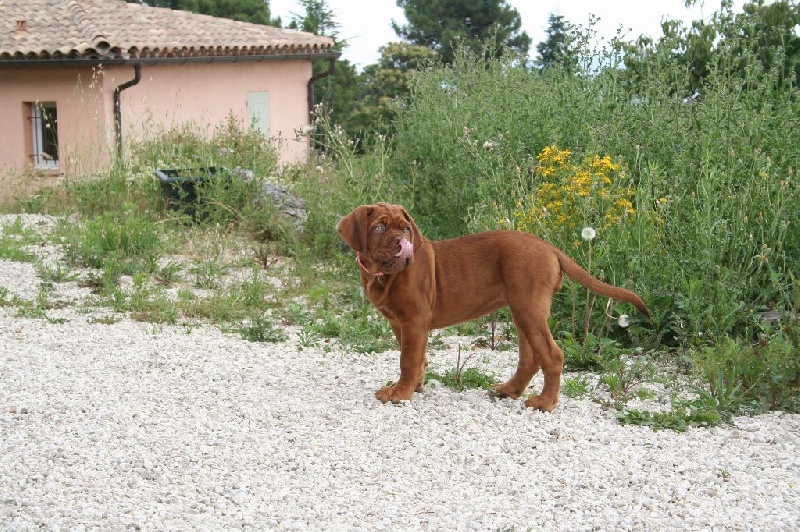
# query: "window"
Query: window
{"points": [[44, 128], [258, 109]]}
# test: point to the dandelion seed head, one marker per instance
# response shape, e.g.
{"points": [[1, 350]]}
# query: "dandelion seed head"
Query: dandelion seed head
{"points": [[588, 234]]}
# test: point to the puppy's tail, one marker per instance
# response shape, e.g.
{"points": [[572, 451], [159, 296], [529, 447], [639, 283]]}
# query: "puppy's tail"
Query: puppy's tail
{"points": [[578, 274]]}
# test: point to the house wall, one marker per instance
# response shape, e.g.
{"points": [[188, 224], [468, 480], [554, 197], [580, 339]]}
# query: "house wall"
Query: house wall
{"points": [[205, 94], [168, 95], [81, 119]]}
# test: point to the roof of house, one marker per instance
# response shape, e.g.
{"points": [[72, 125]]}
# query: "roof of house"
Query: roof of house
{"points": [[35, 31]]}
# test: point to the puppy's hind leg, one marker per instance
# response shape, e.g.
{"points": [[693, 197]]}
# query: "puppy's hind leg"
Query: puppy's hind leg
{"points": [[551, 359], [546, 401], [537, 349]]}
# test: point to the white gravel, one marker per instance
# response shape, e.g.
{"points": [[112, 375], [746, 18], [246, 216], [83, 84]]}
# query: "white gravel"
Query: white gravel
{"points": [[131, 425]]}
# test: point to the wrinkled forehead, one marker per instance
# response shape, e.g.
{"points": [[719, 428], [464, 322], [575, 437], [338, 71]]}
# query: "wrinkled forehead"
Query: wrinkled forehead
{"points": [[389, 215]]}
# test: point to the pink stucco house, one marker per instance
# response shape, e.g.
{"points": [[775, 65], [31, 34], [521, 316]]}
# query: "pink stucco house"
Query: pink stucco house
{"points": [[79, 79]]}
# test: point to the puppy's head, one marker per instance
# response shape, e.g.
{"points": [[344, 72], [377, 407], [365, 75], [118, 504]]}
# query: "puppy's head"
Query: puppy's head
{"points": [[384, 236]]}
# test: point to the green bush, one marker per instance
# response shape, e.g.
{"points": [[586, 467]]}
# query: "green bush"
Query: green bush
{"points": [[708, 239]]}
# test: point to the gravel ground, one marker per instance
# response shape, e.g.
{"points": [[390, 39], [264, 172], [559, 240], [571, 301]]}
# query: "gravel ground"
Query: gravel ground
{"points": [[130, 425]]}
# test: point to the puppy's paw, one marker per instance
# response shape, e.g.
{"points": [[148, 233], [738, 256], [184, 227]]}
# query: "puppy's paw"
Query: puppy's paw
{"points": [[541, 403], [504, 390], [394, 393]]}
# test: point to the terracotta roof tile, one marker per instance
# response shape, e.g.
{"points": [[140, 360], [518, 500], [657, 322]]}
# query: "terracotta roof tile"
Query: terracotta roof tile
{"points": [[114, 29]]}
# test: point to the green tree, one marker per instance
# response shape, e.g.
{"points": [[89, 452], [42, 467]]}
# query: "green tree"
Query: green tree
{"points": [[768, 32], [442, 24], [386, 83], [256, 11], [761, 37], [555, 50], [317, 18]]}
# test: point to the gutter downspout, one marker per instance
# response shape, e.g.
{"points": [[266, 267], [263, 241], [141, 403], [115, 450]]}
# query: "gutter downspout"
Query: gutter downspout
{"points": [[314, 79], [137, 77]]}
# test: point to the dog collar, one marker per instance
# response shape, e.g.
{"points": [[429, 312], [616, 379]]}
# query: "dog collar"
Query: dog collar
{"points": [[364, 266]]}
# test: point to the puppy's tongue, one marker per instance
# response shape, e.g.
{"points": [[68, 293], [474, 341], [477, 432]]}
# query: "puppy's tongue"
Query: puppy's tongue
{"points": [[406, 249]]}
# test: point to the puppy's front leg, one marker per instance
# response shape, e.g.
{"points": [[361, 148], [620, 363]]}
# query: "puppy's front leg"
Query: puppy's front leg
{"points": [[413, 342]]}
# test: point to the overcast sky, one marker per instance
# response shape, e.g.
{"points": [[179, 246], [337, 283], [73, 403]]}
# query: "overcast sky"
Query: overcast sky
{"points": [[367, 24]]}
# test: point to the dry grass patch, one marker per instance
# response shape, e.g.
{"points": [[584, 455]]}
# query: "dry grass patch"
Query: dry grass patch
{"points": [[17, 186]]}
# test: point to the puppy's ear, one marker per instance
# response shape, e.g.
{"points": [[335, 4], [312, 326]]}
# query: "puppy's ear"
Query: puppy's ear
{"points": [[353, 227], [416, 235]]}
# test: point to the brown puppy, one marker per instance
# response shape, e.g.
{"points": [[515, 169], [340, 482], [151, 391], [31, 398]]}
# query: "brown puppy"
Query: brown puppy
{"points": [[419, 285]]}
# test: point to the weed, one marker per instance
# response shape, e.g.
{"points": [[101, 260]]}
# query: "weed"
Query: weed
{"points": [[678, 419], [36, 309], [207, 273], [588, 356], [150, 304], [108, 319], [307, 339], [14, 239], [253, 294], [470, 378], [623, 375], [169, 273], [186, 295], [742, 378], [436, 342], [644, 394], [15, 251], [57, 274], [594, 192], [127, 240], [17, 229], [461, 379], [365, 335], [261, 329], [575, 387]]}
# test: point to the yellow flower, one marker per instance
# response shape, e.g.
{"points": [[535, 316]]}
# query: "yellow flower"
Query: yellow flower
{"points": [[574, 191]]}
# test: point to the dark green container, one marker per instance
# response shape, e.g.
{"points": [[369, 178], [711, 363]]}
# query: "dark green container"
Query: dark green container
{"points": [[180, 184]]}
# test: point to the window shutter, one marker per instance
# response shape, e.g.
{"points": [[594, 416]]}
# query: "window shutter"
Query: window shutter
{"points": [[258, 111]]}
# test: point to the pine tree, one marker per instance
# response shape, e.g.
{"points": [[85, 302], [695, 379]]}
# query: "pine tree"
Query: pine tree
{"points": [[442, 25], [556, 49]]}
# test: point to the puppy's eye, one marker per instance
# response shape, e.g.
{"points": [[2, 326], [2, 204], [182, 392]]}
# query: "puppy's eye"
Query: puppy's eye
{"points": [[407, 230], [380, 228]]}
